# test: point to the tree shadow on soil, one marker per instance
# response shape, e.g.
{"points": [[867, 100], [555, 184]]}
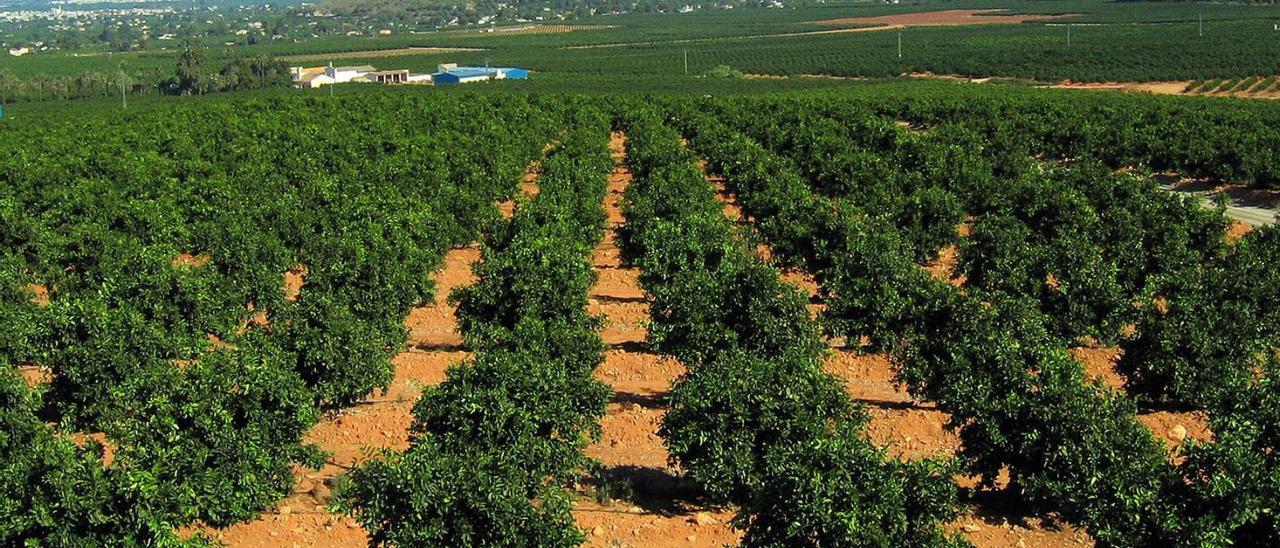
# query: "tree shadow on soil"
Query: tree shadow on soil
{"points": [[638, 347], [619, 300], [440, 347], [892, 404], [1000, 506], [655, 490], [647, 401]]}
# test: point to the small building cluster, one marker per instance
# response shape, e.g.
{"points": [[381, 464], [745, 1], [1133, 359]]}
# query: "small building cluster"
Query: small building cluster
{"points": [[446, 74], [314, 77], [451, 73]]}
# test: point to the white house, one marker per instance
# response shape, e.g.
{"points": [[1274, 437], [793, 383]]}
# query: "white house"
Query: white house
{"points": [[341, 75], [19, 51], [313, 80]]}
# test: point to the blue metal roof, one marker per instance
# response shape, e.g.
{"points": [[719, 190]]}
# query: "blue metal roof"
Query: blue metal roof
{"points": [[470, 72]]}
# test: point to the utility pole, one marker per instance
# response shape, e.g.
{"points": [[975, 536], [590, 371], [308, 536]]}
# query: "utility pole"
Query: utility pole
{"points": [[1068, 34], [899, 44], [686, 62], [122, 79], [1200, 24]]}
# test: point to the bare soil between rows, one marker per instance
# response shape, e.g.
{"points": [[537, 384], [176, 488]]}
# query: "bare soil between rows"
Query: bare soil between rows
{"points": [[662, 509], [942, 18]]}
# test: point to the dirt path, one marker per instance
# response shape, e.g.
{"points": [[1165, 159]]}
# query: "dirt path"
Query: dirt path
{"points": [[381, 422], [658, 513], [862, 24], [375, 53], [943, 18]]}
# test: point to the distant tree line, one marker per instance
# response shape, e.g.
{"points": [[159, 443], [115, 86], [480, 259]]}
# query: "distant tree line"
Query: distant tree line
{"points": [[194, 74]]}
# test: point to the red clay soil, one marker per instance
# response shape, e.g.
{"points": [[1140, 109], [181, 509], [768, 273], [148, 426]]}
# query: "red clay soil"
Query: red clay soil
{"points": [[34, 375], [380, 422], [528, 188], [941, 18], [944, 266], [294, 279], [189, 260], [1170, 427], [1237, 230], [630, 447], [39, 293]]}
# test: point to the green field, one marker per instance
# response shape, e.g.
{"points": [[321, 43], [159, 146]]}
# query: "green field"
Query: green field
{"points": [[790, 296], [1109, 42]]}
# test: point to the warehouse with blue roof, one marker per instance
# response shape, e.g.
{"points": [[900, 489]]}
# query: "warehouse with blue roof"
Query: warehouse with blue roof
{"points": [[451, 73]]}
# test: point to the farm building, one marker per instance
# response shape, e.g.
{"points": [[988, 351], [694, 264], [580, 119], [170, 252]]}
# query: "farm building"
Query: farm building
{"points": [[313, 77], [388, 76], [312, 80], [454, 74], [347, 74]]}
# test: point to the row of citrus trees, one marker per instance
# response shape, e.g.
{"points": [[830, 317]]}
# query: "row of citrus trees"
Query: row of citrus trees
{"points": [[996, 360], [1223, 141], [496, 448], [1103, 239], [142, 271], [755, 421]]}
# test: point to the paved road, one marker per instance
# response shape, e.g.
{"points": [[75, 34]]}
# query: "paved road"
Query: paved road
{"points": [[1250, 215]]}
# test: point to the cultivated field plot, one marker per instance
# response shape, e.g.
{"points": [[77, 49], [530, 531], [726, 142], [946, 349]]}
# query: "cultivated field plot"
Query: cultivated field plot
{"points": [[375, 53], [918, 316], [942, 18]]}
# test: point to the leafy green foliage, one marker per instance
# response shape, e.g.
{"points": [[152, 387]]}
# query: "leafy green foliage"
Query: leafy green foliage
{"points": [[722, 427], [755, 392], [54, 492], [147, 278], [495, 446], [469, 496], [839, 491]]}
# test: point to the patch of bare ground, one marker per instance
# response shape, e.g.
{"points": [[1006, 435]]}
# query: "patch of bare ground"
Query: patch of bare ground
{"points": [[528, 189], [908, 428], [660, 507], [34, 375], [528, 29], [190, 260], [941, 18], [1172, 87], [1169, 426], [1100, 363], [943, 267], [1237, 230], [1158, 88], [1001, 522], [374, 53], [39, 293], [108, 448], [380, 422], [294, 279]]}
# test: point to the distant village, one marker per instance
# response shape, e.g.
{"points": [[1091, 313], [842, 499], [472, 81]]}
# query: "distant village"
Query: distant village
{"points": [[446, 74]]}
